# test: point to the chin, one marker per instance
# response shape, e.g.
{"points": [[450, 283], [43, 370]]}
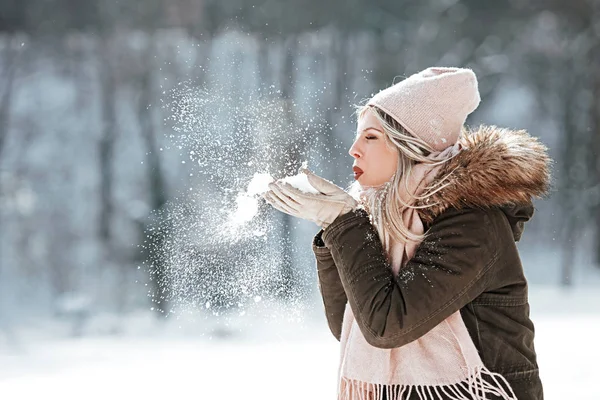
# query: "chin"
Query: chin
{"points": [[367, 185], [370, 184]]}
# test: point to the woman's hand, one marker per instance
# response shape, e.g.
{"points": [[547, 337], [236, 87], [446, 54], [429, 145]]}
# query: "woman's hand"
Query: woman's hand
{"points": [[322, 208]]}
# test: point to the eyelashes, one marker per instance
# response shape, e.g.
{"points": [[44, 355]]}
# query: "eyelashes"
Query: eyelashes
{"points": [[371, 137]]}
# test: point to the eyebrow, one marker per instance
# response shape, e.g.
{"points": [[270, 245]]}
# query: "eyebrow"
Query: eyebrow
{"points": [[371, 127]]}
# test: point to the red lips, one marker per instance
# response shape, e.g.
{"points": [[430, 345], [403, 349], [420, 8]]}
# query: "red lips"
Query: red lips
{"points": [[357, 172]]}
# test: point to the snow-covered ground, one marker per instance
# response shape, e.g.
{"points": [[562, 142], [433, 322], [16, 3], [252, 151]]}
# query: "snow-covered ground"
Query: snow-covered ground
{"points": [[276, 358]]}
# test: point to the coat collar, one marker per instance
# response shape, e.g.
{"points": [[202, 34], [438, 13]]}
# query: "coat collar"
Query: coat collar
{"points": [[497, 167]]}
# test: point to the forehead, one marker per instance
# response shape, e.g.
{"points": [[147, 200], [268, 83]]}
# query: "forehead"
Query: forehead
{"points": [[368, 120]]}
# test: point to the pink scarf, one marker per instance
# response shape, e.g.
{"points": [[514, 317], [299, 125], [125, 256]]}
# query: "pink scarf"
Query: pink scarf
{"points": [[443, 362]]}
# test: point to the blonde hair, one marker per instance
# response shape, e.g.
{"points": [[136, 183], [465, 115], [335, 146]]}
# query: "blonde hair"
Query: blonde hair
{"points": [[383, 203]]}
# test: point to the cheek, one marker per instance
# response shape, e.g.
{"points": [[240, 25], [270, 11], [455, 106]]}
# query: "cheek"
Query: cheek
{"points": [[393, 158], [389, 159], [383, 165]]}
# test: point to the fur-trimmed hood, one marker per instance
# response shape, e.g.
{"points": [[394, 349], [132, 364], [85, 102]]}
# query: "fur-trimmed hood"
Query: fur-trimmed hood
{"points": [[497, 167]]}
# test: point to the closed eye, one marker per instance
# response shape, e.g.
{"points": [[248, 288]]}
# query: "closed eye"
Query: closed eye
{"points": [[371, 137]]}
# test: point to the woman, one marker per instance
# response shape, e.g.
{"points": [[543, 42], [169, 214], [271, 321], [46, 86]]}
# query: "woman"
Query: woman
{"points": [[422, 248]]}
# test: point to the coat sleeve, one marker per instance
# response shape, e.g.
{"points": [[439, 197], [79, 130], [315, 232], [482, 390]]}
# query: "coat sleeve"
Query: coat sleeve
{"points": [[449, 269], [330, 286]]}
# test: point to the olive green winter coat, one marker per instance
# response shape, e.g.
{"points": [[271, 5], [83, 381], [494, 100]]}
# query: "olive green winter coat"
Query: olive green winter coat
{"points": [[468, 262]]}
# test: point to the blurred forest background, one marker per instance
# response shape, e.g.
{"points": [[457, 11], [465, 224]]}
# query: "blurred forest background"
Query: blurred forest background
{"points": [[90, 129]]}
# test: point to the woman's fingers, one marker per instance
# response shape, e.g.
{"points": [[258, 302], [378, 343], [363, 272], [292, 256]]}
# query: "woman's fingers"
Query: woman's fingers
{"points": [[276, 205], [291, 192], [281, 191], [279, 204]]}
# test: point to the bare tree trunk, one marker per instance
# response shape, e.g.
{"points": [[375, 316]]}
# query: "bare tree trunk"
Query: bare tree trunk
{"points": [[291, 164], [263, 63], [568, 255], [339, 58], [595, 109], [160, 284], [595, 148], [569, 203], [9, 71], [107, 140]]}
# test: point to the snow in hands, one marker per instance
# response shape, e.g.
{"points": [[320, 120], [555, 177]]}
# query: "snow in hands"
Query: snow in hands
{"points": [[220, 249]]}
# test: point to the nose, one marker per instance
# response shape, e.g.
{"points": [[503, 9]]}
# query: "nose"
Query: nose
{"points": [[354, 151]]}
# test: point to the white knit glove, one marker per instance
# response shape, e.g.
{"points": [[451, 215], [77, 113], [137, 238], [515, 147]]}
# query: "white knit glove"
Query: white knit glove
{"points": [[322, 208]]}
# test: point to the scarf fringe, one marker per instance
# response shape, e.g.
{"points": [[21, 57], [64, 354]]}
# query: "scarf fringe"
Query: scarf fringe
{"points": [[473, 388]]}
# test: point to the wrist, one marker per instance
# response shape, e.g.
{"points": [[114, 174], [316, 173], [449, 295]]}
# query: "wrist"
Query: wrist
{"points": [[322, 224]]}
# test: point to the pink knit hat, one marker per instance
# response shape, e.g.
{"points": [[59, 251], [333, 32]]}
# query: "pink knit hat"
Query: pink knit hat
{"points": [[432, 104]]}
